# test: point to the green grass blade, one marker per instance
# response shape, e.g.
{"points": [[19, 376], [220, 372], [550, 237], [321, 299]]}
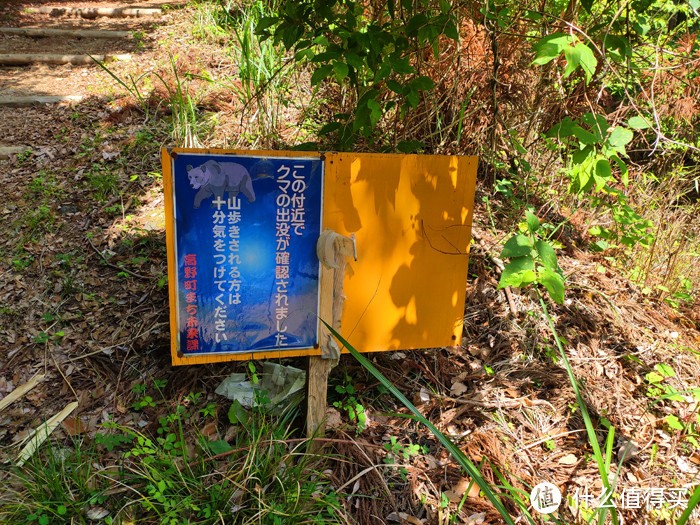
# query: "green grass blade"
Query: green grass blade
{"points": [[453, 449], [692, 503], [590, 430]]}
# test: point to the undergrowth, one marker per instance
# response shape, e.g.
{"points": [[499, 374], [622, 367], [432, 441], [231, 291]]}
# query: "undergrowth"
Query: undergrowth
{"points": [[261, 474]]}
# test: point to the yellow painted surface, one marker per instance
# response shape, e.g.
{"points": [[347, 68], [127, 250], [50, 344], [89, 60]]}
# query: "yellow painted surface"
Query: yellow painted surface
{"points": [[411, 215]]}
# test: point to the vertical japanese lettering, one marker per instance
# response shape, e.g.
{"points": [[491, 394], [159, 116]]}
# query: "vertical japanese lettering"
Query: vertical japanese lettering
{"points": [[192, 322]]}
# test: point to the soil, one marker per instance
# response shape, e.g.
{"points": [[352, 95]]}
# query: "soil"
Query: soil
{"points": [[83, 302]]}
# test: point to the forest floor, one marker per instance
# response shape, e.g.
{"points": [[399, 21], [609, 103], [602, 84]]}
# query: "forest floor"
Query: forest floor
{"points": [[84, 302]]}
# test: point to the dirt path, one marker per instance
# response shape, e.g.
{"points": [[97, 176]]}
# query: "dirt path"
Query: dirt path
{"points": [[78, 169], [18, 128]]}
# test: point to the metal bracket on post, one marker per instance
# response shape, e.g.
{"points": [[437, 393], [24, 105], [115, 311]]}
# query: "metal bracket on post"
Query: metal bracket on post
{"points": [[332, 250]]}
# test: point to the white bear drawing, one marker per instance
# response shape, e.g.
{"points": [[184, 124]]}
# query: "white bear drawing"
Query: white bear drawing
{"points": [[216, 178]]}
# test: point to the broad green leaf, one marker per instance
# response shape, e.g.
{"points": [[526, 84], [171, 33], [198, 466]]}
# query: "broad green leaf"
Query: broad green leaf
{"points": [[401, 66], [618, 43], [562, 130], [304, 54], [554, 284], [533, 223], [413, 98], [264, 23], [394, 86], [642, 25], [624, 173], [584, 173], [375, 111], [665, 370], [547, 254], [219, 447], [638, 122], [580, 156], [598, 124], [451, 31], [517, 279], [653, 377], [237, 414], [321, 73], [550, 47], [382, 72], [325, 56], [620, 137], [585, 137], [415, 23], [517, 246], [602, 173], [423, 83], [329, 128], [518, 272], [407, 146], [355, 61], [587, 5], [674, 423], [580, 55], [341, 70]]}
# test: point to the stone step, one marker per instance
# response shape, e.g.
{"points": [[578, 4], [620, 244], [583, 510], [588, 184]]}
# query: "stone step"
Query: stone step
{"points": [[76, 60], [94, 12], [37, 100], [77, 33]]}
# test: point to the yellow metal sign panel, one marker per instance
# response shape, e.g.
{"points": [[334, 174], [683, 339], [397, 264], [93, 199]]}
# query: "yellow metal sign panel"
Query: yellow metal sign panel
{"points": [[411, 216]]}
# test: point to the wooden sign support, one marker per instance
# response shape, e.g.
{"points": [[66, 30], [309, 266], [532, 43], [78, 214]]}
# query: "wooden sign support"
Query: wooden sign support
{"points": [[332, 250]]}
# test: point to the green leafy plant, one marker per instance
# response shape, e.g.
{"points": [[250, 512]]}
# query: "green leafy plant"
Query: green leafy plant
{"points": [[658, 386], [369, 51], [532, 260], [350, 404], [397, 452]]}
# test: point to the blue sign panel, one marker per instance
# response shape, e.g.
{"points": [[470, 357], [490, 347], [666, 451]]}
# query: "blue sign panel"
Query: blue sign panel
{"points": [[245, 235]]}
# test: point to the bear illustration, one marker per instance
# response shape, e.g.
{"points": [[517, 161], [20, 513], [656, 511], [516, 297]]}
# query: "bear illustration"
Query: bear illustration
{"points": [[216, 178]]}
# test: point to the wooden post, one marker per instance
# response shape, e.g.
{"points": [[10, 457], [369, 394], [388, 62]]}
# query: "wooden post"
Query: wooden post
{"points": [[332, 249]]}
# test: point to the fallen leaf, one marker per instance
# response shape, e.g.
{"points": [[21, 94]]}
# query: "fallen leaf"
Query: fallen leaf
{"points": [[73, 426], [38, 436], [210, 431], [97, 513], [569, 459], [685, 466], [453, 496], [424, 395], [458, 389], [333, 418], [476, 519], [18, 392]]}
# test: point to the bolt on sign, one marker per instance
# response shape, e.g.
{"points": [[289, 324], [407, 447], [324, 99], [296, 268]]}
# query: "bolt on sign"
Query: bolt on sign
{"points": [[243, 273]]}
